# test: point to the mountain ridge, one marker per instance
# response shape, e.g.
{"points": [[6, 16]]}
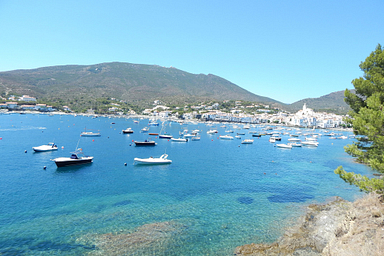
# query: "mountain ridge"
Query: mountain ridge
{"points": [[135, 83]]}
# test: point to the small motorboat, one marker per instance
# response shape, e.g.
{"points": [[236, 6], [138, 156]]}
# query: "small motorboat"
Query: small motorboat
{"points": [[128, 130], [165, 136], [284, 146], [212, 131], [145, 129], [90, 134], [295, 144], [179, 140], [49, 147], [153, 160], [76, 158], [226, 137], [145, 143], [256, 135], [195, 138], [294, 140], [310, 143], [247, 141]]}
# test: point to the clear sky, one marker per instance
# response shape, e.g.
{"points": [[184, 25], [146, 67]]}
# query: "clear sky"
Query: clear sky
{"points": [[286, 50]]}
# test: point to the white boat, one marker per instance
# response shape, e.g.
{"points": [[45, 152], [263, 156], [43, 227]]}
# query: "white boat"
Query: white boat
{"points": [[229, 131], [179, 140], [49, 147], [145, 129], [76, 158], [211, 131], [247, 141], [294, 139], [188, 135], [343, 137], [284, 146], [195, 138], [90, 134], [310, 143], [295, 144], [153, 160], [238, 137], [226, 137], [128, 130], [165, 136], [272, 139], [310, 139]]}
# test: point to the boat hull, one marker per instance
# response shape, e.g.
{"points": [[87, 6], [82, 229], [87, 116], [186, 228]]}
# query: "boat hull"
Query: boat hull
{"points": [[151, 162], [44, 148], [145, 143], [65, 161]]}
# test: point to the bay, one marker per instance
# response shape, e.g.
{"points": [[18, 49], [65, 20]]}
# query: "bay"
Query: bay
{"points": [[216, 194]]}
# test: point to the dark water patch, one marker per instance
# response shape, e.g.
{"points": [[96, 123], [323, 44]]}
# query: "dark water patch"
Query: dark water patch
{"points": [[245, 200], [98, 208], [290, 198], [122, 203]]}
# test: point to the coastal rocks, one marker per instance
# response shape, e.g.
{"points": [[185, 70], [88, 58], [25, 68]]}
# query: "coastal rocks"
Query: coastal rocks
{"points": [[154, 237], [336, 228]]}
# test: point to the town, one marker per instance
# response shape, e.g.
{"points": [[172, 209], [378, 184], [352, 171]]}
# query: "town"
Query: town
{"points": [[226, 111]]}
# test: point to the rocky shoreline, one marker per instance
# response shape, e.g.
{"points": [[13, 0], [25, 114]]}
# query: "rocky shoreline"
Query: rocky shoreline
{"points": [[336, 228]]}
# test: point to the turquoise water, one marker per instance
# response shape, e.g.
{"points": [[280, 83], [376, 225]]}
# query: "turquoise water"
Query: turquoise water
{"points": [[216, 194]]}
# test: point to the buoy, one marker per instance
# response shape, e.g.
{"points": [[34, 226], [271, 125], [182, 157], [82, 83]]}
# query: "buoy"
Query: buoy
{"points": [[125, 164], [132, 140], [1, 138], [130, 144], [45, 167], [264, 173], [25, 151], [93, 140], [62, 147]]}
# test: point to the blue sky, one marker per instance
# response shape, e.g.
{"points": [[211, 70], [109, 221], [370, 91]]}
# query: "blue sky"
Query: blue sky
{"points": [[285, 50]]}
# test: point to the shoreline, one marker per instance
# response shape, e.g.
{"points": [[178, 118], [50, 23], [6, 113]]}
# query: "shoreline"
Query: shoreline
{"points": [[339, 227], [170, 119]]}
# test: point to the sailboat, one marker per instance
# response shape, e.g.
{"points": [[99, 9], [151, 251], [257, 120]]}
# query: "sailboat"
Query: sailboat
{"points": [[164, 135]]}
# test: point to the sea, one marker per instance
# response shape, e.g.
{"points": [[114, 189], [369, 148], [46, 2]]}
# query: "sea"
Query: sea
{"points": [[214, 196]]}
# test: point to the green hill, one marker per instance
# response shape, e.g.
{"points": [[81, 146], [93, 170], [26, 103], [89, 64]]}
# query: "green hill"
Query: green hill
{"points": [[333, 102], [134, 83]]}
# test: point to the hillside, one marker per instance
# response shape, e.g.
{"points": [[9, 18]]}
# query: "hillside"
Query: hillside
{"points": [[133, 83], [333, 102]]}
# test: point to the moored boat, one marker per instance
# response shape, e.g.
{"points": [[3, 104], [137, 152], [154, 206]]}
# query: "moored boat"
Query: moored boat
{"points": [[49, 147], [179, 139], [128, 130], [153, 160], [90, 134], [284, 146], [310, 143], [76, 158], [165, 136], [247, 141], [226, 137], [145, 143]]}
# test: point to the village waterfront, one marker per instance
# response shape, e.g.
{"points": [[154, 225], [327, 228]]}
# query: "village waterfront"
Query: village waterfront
{"points": [[216, 195]]}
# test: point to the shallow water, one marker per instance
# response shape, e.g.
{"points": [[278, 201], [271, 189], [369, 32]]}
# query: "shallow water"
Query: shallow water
{"points": [[216, 194]]}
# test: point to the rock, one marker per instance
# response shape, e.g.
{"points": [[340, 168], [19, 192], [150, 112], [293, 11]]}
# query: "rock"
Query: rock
{"points": [[336, 228]]}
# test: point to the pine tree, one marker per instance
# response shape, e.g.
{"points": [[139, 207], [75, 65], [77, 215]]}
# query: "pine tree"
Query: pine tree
{"points": [[367, 119]]}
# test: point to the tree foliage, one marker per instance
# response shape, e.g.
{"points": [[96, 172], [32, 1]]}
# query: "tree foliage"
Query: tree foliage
{"points": [[364, 183], [367, 119], [367, 115]]}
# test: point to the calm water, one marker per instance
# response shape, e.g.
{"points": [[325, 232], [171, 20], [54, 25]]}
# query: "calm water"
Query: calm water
{"points": [[216, 194]]}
